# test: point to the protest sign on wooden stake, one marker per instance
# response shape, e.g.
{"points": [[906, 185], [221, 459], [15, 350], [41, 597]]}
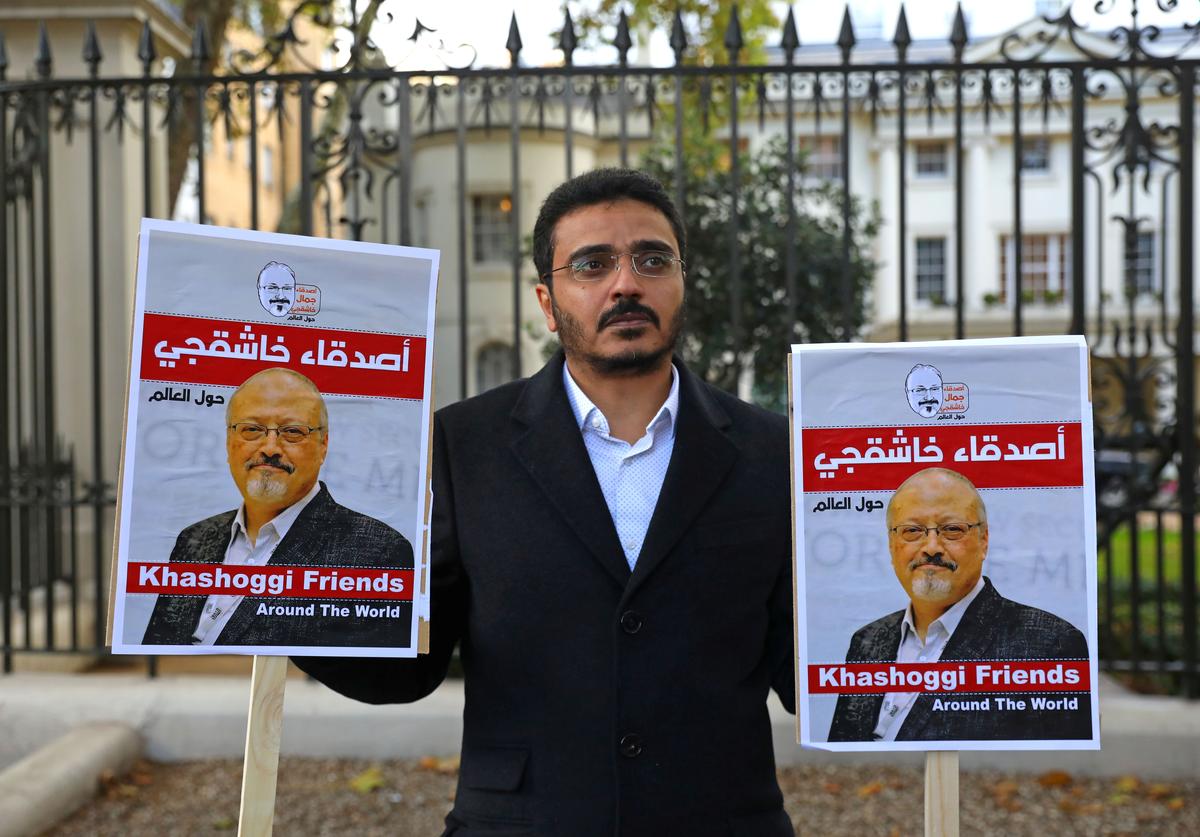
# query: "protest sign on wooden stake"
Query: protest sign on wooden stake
{"points": [[275, 469]]}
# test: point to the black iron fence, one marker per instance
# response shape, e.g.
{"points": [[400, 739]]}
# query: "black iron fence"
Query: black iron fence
{"points": [[1077, 147]]}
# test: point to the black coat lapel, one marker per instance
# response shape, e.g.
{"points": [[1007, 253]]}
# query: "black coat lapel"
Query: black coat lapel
{"points": [[701, 458], [301, 546], [550, 446], [972, 640]]}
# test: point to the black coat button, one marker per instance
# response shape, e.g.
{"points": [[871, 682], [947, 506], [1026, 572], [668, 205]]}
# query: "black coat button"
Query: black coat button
{"points": [[631, 622], [631, 745]]}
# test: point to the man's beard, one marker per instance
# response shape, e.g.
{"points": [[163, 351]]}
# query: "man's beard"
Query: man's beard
{"points": [[933, 586], [630, 363], [268, 486]]}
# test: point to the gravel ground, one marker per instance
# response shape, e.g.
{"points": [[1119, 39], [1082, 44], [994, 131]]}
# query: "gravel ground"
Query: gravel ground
{"points": [[347, 797]]}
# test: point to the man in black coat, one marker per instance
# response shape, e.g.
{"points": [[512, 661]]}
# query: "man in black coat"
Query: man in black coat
{"points": [[611, 543], [938, 538], [276, 440]]}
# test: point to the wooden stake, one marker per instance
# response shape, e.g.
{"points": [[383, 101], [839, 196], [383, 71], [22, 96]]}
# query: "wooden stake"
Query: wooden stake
{"points": [[263, 730], [941, 794]]}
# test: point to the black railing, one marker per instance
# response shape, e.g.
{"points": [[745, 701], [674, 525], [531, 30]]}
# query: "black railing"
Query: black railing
{"points": [[367, 151]]}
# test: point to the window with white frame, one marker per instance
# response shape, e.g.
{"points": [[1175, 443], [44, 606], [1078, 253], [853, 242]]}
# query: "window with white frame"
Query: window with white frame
{"points": [[931, 270], [1140, 264], [822, 157], [932, 159], [493, 366], [491, 228], [1035, 155], [1045, 267]]}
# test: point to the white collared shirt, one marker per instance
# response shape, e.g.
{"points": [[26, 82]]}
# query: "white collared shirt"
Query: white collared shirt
{"points": [[630, 476], [897, 705], [218, 609]]}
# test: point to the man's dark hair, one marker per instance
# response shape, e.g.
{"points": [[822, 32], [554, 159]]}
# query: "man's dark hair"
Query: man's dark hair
{"points": [[595, 187]]}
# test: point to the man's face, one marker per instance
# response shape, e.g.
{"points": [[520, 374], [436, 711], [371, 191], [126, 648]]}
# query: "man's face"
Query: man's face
{"points": [[269, 471], [924, 388], [933, 569], [624, 323], [277, 292]]}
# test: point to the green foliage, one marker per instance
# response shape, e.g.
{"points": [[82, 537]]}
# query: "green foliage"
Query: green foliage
{"points": [[711, 346], [704, 23]]}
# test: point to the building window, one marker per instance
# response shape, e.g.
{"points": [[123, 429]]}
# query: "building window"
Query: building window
{"points": [[822, 157], [931, 270], [266, 167], [932, 159], [493, 366], [491, 228], [1139, 265], [1045, 267], [1035, 155]]}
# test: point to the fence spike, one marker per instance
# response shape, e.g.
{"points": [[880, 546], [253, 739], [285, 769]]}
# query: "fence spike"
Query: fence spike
{"points": [[513, 44], [958, 34], [146, 51], [623, 41], [733, 35], [43, 61], [846, 39], [567, 40], [91, 49], [3, 58], [678, 37], [791, 40], [201, 51], [902, 39]]}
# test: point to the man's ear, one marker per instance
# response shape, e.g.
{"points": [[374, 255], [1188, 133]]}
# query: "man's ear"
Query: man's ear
{"points": [[545, 299]]}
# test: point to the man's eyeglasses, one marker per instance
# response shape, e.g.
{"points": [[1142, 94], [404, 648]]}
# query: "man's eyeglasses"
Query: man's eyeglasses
{"points": [[912, 533], [594, 267], [293, 434]]}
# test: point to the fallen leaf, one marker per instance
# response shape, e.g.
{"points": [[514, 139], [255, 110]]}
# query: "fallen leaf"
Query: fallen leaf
{"points": [[1119, 799], [869, 789], [1092, 808], [224, 824], [895, 832], [1175, 803], [367, 781], [1054, 779], [831, 787], [1160, 791], [1003, 793], [141, 777], [1069, 805], [1128, 784]]}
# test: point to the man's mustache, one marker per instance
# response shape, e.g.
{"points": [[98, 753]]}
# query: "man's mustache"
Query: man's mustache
{"points": [[627, 305], [932, 561], [930, 401], [279, 300], [275, 461]]}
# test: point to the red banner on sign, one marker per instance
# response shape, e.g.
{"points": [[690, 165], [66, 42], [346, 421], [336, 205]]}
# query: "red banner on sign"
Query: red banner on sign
{"points": [[188, 579], [991, 456], [197, 350], [989, 676]]}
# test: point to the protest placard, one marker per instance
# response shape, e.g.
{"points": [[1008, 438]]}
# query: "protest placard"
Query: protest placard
{"points": [[945, 545], [274, 490]]}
